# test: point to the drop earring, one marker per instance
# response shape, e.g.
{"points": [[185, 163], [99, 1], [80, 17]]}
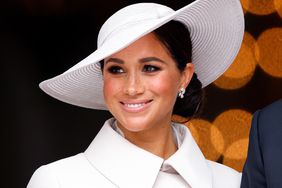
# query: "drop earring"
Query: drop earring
{"points": [[181, 93]]}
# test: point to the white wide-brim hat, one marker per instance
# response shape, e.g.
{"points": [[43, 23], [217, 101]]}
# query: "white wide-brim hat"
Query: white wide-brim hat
{"points": [[216, 28]]}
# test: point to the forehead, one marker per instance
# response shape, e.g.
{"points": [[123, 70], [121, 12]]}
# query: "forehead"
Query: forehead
{"points": [[148, 45]]}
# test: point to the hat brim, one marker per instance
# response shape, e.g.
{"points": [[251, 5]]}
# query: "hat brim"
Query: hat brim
{"points": [[216, 28]]}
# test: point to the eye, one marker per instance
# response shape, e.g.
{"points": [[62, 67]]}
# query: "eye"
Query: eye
{"points": [[115, 70], [150, 68]]}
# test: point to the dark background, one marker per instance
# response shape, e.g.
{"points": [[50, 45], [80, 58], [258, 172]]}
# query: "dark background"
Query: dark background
{"points": [[40, 39]]}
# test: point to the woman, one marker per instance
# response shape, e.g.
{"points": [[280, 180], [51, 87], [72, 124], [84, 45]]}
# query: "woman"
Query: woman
{"points": [[143, 72]]}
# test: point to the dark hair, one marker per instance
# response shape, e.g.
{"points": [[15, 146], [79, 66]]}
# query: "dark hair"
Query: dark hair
{"points": [[176, 38]]}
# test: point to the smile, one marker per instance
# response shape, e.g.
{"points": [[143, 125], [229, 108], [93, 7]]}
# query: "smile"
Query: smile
{"points": [[136, 106]]}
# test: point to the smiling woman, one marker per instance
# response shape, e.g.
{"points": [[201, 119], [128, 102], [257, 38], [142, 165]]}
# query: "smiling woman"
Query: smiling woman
{"points": [[153, 63], [135, 90]]}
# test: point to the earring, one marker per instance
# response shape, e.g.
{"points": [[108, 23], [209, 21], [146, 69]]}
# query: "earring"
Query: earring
{"points": [[181, 93]]}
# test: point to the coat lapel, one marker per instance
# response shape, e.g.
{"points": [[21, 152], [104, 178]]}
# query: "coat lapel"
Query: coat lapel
{"points": [[189, 161], [121, 162]]}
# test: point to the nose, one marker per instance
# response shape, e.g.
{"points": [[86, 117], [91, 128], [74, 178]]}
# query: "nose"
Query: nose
{"points": [[133, 84]]}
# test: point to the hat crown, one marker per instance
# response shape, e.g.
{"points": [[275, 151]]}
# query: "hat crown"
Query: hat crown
{"points": [[131, 15]]}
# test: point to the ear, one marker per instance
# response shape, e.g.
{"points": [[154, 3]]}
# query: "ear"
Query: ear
{"points": [[187, 74]]}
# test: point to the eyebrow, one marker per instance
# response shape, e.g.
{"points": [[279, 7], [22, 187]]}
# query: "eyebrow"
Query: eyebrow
{"points": [[148, 59], [115, 60], [143, 60]]}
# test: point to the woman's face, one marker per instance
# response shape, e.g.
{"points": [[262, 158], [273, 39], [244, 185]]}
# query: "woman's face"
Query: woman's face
{"points": [[141, 83]]}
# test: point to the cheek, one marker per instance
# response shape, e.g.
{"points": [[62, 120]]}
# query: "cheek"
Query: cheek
{"points": [[111, 87], [165, 85]]}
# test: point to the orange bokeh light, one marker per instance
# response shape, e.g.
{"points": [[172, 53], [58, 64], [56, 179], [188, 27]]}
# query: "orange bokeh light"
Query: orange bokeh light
{"points": [[269, 58], [234, 126], [201, 131], [259, 7], [242, 69], [278, 7]]}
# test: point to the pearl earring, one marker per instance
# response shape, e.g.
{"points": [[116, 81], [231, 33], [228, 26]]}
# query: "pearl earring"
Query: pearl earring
{"points": [[181, 93]]}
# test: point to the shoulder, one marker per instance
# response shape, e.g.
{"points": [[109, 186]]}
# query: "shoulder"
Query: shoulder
{"points": [[267, 122], [224, 176], [43, 178], [275, 107], [271, 114], [76, 162], [66, 172]]}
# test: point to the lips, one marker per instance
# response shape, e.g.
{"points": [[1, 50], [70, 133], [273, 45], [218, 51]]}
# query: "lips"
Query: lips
{"points": [[136, 106]]}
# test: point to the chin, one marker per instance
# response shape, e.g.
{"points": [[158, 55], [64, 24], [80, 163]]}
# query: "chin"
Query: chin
{"points": [[134, 124]]}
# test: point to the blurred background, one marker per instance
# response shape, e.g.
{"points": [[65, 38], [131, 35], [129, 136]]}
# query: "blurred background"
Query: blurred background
{"points": [[40, 39]]}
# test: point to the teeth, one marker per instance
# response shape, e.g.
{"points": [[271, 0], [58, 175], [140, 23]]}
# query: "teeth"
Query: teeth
{"points": [[134, 105]]}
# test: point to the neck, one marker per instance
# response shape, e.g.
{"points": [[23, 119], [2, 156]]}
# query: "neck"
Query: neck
{"points": [[159, 141]]}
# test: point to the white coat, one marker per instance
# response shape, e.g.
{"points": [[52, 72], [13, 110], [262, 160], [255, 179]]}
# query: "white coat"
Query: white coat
{"points": [[111, 161]]}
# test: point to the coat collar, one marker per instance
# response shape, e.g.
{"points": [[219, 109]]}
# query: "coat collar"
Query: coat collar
{"points": [[127, 165], [189, 161]]}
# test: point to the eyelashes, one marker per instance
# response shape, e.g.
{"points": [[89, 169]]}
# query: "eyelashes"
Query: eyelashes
{"points": [[120, 70], [115, 70], [150, 68]]}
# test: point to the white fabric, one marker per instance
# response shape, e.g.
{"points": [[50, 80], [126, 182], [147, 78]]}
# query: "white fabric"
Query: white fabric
{"points": [[170, 181], [216, 28], [178, 137], [112, 161]]}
